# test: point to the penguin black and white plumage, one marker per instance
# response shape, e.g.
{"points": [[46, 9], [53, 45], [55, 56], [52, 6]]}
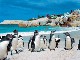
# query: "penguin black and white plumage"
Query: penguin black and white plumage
{"points": [[37, 43], [33, 43], [68, 43], [36, 32], [3, 50], [15, 32], [5, 45], [57, 41], [42, 45], [29, 44], [51, 34], [45, 42], [20, 43], [14, 41], [14, 44], [0, 38], [79, 45], [52, 44]]}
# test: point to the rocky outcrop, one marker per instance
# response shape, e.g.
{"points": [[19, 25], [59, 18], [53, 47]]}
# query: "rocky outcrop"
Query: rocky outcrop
{"points": [[22, 25]]}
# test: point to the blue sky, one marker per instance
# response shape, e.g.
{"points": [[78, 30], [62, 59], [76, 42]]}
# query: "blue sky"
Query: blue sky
{"points": [[26, 9]]}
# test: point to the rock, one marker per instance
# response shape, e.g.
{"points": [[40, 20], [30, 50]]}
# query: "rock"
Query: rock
{"points": [[22, 25]]}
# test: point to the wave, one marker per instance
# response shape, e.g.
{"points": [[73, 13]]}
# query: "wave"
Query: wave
{"points": [[41, 32]]}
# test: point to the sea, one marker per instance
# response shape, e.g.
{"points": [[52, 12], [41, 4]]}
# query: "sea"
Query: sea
{"points": [[6, 28]]}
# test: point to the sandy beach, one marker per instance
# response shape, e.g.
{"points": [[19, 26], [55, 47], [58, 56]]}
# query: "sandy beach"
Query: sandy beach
{"points": [[59, 54]]}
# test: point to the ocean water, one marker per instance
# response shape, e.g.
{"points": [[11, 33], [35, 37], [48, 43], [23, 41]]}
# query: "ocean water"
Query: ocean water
{"points": [[10, 27]]}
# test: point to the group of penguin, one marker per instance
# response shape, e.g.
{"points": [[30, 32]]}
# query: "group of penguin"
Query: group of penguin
{"points": [[36, 43], [39, 42], [10, 43]]}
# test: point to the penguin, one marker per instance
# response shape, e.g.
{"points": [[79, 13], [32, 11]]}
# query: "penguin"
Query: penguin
{"points": [[68, 43], [45, 42], [20, 43], [32, 41], [37, 43], [51, 34], [79, 45], [29, 44], [57, 41], [5, 45], [0, 38], [3, 50], [41, 43], [14, 41], [14, 44], [52, 44], [36, 32]]}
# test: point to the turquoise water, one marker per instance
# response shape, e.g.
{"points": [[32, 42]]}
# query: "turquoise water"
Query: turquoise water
{"points": [[9, 28]]}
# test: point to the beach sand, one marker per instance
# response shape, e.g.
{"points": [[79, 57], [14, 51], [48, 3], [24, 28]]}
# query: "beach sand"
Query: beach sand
{"points": [[58, 54]]}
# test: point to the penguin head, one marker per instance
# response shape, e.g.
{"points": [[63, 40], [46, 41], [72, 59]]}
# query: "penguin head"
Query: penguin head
{"points": [[15, 32], [36, 32], [54, 31], [67, 34], [13, 36], [9, 36], [0, 37], [41, 36], [19, 36], [44, 36]]}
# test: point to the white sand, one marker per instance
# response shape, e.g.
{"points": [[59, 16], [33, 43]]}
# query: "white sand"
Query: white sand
{"points": [[58, 54]]}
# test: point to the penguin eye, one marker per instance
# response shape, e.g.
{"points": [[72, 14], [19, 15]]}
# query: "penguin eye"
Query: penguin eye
{"points": [[22, 38]]}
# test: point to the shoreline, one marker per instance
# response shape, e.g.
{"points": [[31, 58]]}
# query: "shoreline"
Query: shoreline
{"points": [[59, 54], [72, 29]]}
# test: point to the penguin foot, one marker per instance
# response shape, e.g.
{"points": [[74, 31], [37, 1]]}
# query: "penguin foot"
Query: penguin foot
{"points": [[54, 49], [43, 50], [78, 49], [16, 51], [32, 50], [20, 51], [11, 52]]}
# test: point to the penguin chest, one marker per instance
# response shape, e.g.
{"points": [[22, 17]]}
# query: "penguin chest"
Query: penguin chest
{"points": [[68, 43], [20, 43], [42, 43], [3, 51], [14, 43], [52, 44]]}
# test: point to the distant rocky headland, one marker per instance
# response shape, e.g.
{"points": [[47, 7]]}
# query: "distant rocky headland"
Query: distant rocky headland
{"points": [[69, 19]]}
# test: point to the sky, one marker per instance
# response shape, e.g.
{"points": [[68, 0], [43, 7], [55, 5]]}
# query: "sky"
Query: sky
{"points": [[26, 9]]}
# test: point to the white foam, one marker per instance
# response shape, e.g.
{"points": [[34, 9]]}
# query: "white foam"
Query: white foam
{"points": [[71, 29]]}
